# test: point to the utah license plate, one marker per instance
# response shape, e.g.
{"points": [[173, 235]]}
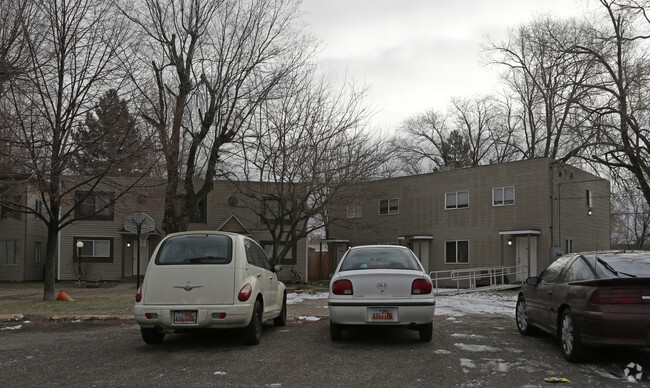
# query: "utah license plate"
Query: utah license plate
{"points": [[382, 314], [185, 317]]}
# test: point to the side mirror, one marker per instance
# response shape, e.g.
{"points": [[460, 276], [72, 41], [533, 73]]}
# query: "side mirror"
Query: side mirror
{"points": [[277, 268], [533, 280]]}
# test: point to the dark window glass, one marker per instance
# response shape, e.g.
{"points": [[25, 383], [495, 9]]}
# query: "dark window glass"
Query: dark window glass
{"points": [[196, 249], [379, 258]]}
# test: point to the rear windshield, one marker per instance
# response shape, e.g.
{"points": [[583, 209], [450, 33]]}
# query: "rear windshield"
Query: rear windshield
{"points": [[195, 249], [379, 258], [633, 264]]}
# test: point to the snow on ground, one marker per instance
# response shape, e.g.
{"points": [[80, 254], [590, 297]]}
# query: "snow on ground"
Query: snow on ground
{"points": [[493, 302], [502, 303], [298, 297]]}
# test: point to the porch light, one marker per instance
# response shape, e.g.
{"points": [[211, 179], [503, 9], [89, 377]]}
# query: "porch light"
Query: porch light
{"points": [[509, 242]]}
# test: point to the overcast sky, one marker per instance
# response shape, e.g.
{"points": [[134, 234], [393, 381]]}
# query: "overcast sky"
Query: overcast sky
{"points": [[417, 55]]}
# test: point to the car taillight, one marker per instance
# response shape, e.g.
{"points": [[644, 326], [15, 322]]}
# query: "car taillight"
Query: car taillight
{"points": [[342, 287], [618, 296], [138, 295], [421, 287], [245, 293]]}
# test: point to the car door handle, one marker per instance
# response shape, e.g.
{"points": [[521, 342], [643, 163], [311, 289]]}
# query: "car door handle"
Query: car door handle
{"points": [[259, 275], [550, 292], [270, 277]]}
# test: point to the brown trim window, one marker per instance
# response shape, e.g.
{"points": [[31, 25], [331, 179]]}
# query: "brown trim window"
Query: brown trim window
{"points": [[288, 259], [10, 251], [94, 250], [388, 206], [7, 212], [94, 206], [275, 209], [457, 252]]}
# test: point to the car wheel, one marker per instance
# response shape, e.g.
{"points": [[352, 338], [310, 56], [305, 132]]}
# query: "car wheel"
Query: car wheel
{"points": [[281, 320], [521, 316], [570, 337], [152, 336], [254, 328], [336, 331], [426, 332]]}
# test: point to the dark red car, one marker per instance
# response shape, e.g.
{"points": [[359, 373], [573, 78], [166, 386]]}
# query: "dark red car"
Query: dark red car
{"points": [[589, 299]]}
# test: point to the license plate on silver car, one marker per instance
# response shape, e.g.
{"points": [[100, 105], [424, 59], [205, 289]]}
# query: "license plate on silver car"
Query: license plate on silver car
{"points": [[382, 314], [185, 317]]}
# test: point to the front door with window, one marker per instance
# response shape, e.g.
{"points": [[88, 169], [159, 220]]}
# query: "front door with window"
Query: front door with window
{"points": [[526, 256]]}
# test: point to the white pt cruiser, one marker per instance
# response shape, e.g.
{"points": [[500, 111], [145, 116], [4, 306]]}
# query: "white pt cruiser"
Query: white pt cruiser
{"points": [[209, 280]]}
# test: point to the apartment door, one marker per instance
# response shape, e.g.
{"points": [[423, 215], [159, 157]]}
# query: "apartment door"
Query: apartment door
{"points": [[526, 256], [421, 250]]}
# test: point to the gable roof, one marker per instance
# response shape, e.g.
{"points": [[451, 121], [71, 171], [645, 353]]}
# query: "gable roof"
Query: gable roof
{"points": [[233, 224]]}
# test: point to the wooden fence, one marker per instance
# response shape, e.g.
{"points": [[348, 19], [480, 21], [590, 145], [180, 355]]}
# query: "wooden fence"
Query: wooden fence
{"points": [[318, 266]]}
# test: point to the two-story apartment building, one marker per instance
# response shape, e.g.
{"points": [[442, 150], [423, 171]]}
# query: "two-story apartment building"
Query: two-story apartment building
{"points": [[109, 251], [514, 214]]}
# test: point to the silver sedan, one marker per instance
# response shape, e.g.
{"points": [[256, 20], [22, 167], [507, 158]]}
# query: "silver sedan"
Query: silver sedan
{"points": [[381, 285]]}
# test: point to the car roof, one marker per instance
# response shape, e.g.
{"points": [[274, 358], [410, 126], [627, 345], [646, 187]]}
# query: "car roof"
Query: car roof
{"points": [[207, 232]]}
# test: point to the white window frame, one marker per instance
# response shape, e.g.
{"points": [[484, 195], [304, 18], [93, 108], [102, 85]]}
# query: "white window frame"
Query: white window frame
{"points": [[455, 206], [456, 247], [503, 196], [37, 252], [389, 207], [355, 210]]}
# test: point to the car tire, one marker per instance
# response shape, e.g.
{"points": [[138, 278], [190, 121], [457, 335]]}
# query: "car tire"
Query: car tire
{"points": [[336, 331], [426, 332], [254, 328], [281, 320], [570, 342], [152, 336], [521, 317]]}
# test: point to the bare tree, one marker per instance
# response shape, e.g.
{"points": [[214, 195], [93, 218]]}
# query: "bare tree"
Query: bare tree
{"points": [[546, 85], [300, 154], [619, 50], [476, 120], [630, 215], [73, 50], [418, 144], [211, 64]]}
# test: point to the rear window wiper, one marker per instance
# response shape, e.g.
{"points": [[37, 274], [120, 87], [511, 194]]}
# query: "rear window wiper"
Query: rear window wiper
{"points": [[612, 270]]}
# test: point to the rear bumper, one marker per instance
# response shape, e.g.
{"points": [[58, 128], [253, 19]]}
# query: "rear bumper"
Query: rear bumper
{"points": [[597, 328], [208, 316], [417, 312]]}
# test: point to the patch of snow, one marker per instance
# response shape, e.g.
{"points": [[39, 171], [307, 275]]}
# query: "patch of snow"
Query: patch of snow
{"points": [[18, 327], [467, 363], [476, 303], [219, 373], [309, 318], [476, 348], [458, 335], [441, 351], [294, 297]]}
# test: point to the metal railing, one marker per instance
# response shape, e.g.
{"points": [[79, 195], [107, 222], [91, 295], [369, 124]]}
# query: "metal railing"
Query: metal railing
{"points": [[485, 277]]}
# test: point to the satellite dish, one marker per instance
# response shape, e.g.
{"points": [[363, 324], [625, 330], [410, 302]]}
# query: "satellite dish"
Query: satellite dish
{"points": [[139, 223]]}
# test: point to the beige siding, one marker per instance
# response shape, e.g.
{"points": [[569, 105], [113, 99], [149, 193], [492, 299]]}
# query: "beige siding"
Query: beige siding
{"points": [[150, 200], [422, 212]]}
